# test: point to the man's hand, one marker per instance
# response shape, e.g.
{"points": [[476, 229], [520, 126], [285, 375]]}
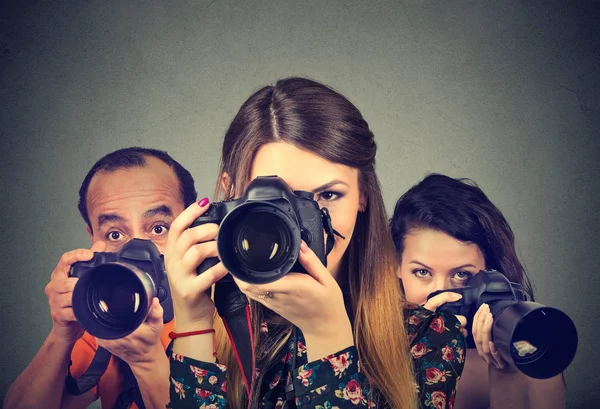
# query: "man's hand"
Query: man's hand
{"points": [[60, 293], [145, 355], [142, 345]]}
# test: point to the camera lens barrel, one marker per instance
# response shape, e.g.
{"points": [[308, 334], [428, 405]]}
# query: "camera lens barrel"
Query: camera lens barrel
{"points": [[539, 341], [113, 299], [259, 241]]}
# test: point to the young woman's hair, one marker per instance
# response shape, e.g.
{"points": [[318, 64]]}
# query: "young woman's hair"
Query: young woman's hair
{"points": [[460, 209], [315, 118]]}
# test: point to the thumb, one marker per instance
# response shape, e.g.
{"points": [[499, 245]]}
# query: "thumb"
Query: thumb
{"points": [[438, 300], [155, 316], [98, 246], [154, 320]]}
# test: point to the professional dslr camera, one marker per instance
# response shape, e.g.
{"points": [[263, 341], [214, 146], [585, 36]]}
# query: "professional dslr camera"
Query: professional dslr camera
{"points": [[540, 341], [115, 290], [259, 235]]}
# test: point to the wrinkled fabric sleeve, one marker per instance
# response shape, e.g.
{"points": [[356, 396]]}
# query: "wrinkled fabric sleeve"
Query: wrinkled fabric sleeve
{"points": [[195, 384], [438, 350], [334, 381]]}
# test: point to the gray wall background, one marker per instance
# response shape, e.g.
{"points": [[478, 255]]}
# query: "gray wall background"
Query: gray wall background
{"points": [[506, 93]]}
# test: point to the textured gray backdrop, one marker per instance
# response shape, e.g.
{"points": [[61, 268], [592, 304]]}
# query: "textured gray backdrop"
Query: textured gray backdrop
{"points": [[506, 93]]}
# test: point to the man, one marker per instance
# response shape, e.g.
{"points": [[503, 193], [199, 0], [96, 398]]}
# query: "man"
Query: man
{"points": [[129, 193]]}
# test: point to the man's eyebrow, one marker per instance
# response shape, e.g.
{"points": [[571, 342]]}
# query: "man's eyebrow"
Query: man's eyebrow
{"points": [[162, 210], [328, 185], [109, 217]]}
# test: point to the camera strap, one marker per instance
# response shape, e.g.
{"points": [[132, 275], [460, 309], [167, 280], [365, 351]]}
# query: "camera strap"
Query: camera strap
{"points": [[329, 230], [131, 391], [91, 376], [233, 307]]}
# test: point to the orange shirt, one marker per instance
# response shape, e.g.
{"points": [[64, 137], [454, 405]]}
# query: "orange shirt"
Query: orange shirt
{"points": [[111, 383]]}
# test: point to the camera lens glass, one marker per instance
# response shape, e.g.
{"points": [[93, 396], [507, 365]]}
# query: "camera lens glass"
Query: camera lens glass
{"points": [[116, 296], [261, 240], [111, 300]]}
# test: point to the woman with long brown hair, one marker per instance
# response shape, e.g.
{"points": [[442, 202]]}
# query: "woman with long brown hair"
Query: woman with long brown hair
{"points": [[339, 336]]}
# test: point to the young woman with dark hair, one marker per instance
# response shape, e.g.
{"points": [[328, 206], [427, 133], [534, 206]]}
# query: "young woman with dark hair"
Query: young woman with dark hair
{"points": [[341, 334], [445, 230]]}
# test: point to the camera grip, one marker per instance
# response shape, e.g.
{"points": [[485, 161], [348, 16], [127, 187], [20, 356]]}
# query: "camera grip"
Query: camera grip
{"points": [[79, 268], [206, 264]]}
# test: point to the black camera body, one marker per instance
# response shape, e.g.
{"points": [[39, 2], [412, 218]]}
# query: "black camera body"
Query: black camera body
{"points": [[115, 290], [259, 235], [538, 340], [489, 288]]}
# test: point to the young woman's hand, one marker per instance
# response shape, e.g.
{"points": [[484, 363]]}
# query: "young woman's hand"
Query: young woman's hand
{"points": [[482, 335], [186, 249], [437, 301], [313, 302]]}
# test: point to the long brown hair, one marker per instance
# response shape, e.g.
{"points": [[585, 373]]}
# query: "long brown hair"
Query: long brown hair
{"points": [[315, 118], [459, 208]]}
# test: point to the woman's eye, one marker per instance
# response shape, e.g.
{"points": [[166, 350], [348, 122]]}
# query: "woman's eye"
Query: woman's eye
{"points": [[159, 230], [328, 196], [462, 275], [420, 273], [114, 235]]}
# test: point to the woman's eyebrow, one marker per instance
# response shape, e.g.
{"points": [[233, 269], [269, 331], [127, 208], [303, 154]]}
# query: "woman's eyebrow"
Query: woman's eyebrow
{"points": [[421, 264], [329, 185], [463, 266]]}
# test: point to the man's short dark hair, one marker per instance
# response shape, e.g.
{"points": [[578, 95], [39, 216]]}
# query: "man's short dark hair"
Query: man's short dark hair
{"points": [[136, 157]]}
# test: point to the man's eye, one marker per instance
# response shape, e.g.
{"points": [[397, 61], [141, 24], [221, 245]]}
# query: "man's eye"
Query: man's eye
{"points": [[421, 273], [114, 235], [159, 230]]}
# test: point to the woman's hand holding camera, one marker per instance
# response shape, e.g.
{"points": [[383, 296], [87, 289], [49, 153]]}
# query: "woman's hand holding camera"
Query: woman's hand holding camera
{"points": [[60, 293], [313, 302], [186, 249], [481, 329], [482, 335]]}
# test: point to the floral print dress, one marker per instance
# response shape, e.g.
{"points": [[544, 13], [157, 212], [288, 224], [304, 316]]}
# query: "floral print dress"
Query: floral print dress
{"points": [[333, 382]]}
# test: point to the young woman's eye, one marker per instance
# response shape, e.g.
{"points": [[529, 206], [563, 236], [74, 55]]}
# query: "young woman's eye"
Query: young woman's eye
{"points": [[328, 196], [159, 230], [421, 273], [114, 235], [462, 275]]}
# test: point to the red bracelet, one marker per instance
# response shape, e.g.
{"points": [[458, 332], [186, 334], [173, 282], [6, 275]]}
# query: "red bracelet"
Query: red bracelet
{"points": [[174, 335]]}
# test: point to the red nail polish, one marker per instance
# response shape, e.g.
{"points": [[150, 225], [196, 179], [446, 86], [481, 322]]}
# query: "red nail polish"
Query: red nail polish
{"points": [[203, 202]]}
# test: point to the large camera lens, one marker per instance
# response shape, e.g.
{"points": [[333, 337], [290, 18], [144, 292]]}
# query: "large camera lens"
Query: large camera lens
{"points": [[112, 300], [540, 341], [258, 243]]}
